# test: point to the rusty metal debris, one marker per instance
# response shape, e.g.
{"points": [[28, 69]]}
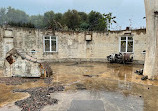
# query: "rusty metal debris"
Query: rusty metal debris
{"points": [[120, 58]]}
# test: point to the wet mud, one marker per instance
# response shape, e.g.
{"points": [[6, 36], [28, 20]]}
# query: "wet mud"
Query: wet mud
{"points": [[116, 85]]}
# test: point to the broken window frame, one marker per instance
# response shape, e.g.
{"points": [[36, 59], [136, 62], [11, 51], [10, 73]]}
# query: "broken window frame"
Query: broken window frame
{"points": [[126, 40], [50, 43]]}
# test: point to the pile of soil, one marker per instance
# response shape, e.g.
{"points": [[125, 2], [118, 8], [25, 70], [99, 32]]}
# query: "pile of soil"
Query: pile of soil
{"points": [[38, 99]]}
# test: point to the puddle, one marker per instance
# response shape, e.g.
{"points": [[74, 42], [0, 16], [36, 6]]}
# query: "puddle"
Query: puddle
{"points": [[113, 87], [70, 72], [95, 101], [115, 96], [117, 86]]}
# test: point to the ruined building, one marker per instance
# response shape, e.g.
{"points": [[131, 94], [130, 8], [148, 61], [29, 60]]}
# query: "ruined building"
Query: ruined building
{"points": [[70, 46]]}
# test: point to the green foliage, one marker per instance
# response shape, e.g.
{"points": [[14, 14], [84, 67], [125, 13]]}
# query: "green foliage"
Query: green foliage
{"points": [[20, 24], [107, 20], [3, 17], [84, 26], [83, 17], [93, 19], [70, 20], [16, 16], [48, 19], [37, 20], [58, 17], [58, 21]]}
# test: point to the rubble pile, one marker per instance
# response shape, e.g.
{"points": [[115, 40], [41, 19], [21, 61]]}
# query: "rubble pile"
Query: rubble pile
{"points": [[38, 99]]}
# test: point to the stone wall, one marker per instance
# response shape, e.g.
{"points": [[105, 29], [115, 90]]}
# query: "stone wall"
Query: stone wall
{"points": [[72, 46]]}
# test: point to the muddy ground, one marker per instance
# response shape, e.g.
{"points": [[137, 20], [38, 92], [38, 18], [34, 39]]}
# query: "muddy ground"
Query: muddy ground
{"points": [[112, 87]]}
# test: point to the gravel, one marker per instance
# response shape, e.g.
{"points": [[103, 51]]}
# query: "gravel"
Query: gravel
{"points": [[38, 99]]}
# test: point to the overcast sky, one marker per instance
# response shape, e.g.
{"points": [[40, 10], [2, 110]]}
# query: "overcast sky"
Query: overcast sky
{"points": [[122, 9]]}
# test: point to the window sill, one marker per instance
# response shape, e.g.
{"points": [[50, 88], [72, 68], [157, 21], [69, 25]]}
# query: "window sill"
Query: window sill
{"points": [[49, 53], [127, 52]]}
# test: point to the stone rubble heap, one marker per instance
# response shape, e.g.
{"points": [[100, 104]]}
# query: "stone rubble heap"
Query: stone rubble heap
{"points": [[38, 99]]}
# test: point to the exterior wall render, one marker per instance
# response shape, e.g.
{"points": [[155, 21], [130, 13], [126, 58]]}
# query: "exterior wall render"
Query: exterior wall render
{"points": [[72, 46], [151, 62]]}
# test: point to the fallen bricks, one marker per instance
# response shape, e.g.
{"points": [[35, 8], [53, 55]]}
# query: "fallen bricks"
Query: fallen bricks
{"points": [[38, 99]]}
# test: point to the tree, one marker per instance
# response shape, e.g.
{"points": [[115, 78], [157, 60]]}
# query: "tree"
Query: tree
{"points": [[58, 17], [83, 21], [48, 19], [83, 17], [37, 20], [58, 21], [71, 19], [93, 19], [16, 16], [107, 21], [3, 17]]}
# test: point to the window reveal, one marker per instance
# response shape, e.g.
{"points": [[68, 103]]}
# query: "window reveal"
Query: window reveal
{"points": [[126, 44], [50, 44]]}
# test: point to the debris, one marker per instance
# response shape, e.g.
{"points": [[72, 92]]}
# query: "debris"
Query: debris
{"points": [[48, 80], [46, 69], [80, 87], [91, 75], [38, 99], [139, 72], [25, 65], [120, 58], [144, 78], [18, 63]]}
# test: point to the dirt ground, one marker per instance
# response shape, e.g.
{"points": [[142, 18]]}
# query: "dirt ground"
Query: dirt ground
{"points": [[113, 87]]}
